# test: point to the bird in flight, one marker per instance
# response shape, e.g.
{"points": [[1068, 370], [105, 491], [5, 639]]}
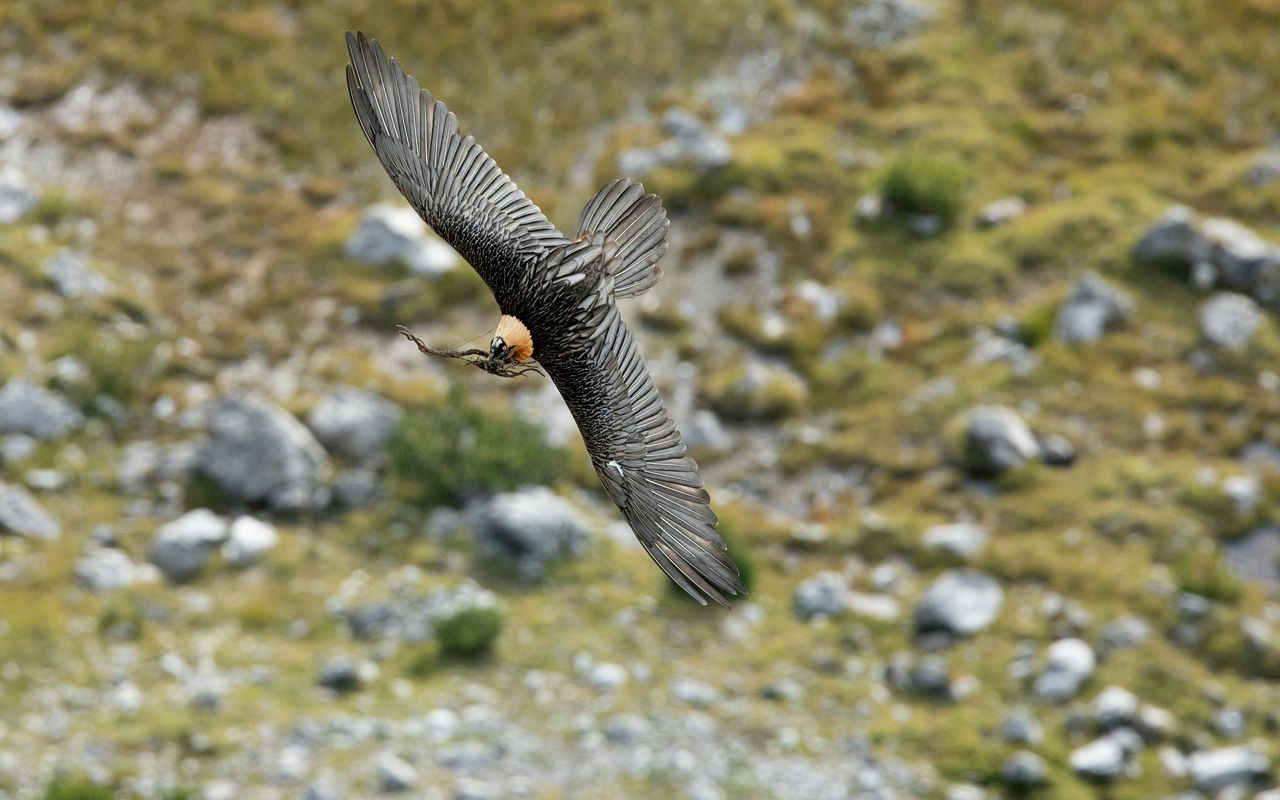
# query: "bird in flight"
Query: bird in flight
{"points": [[557, 296]]}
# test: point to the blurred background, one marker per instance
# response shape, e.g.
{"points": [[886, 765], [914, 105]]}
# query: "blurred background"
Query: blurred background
{"points": [[969, 316]]}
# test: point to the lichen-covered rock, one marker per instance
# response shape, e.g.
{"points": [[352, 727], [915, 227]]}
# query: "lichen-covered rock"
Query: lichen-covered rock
{"points": [[388, 234], [353, 423], [528, 529], [1023, 770], [960, 601], [22, 515], [1093, 308], [182, 547], [994, 439], [1228, 320], [259, 453], [30, 409]]}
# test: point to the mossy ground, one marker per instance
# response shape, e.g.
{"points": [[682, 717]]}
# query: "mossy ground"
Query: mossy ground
{"points": [[1098, 114]]}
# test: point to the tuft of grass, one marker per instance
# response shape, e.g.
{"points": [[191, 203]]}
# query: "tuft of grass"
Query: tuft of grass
{"points": [[449, 451], [77, 789], [1206, 574], [469, 634], [920, 184]]}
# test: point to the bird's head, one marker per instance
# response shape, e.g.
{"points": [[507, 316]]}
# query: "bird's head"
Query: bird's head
{"points": [[500, 351]]}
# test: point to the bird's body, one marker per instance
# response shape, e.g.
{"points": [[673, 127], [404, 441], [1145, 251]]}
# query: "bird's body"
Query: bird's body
{"points": [[557, 299]]}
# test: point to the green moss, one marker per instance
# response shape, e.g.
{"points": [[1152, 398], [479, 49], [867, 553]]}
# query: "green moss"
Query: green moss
{"points": [[469, 634]]}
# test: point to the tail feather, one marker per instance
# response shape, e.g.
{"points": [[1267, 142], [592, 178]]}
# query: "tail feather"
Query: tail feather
{"points": [[632, 228]]}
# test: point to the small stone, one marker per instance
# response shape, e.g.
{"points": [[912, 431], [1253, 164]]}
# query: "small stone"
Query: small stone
{"points": [[29, 409], [995, 439], [1093, 308], [1115, 706], [356, 487], [248, 540], [180, 548], [340, 675], [1057, 451], [961, 602], [104, 569], [962, 539], [1070, 662], [17, 197], [1001, 211], [21, 515], [1023, 769], [72, 277], [1102, 759], [1123, 633], [394, 774], [694, 692], [1229, 723], [1212, 770], [823, 595], [1229, 320], [607, 677], [625, 728], [1020, 726]]}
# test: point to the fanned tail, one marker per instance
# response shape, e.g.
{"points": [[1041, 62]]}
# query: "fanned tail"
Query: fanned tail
{"points": [[631, 226]]}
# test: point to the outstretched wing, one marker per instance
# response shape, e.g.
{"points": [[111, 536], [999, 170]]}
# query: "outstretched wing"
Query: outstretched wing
{"points": [[641, 460], [449, 179]]}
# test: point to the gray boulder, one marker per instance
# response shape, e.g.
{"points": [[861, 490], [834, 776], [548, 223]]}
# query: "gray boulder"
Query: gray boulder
{"points": [[995, 439], [259, 453], [1093, 308], [1115, 706], [1212, 251], [353, 423], [823, 595], [16, 196], [529, 529], [26, 408], [340, 675], [1212, 770], [690, 143], [1123, 633], [182, 547], [1228, 320], [960, 601], [72, 277], [389, 234], [1069, 664], [21, 515]]}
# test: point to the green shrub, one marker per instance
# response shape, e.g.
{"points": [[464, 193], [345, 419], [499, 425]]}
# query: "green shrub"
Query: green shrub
{"points": [[77, 789], [1205, 573], [469, 633], [449, 451], [920, 184]]}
